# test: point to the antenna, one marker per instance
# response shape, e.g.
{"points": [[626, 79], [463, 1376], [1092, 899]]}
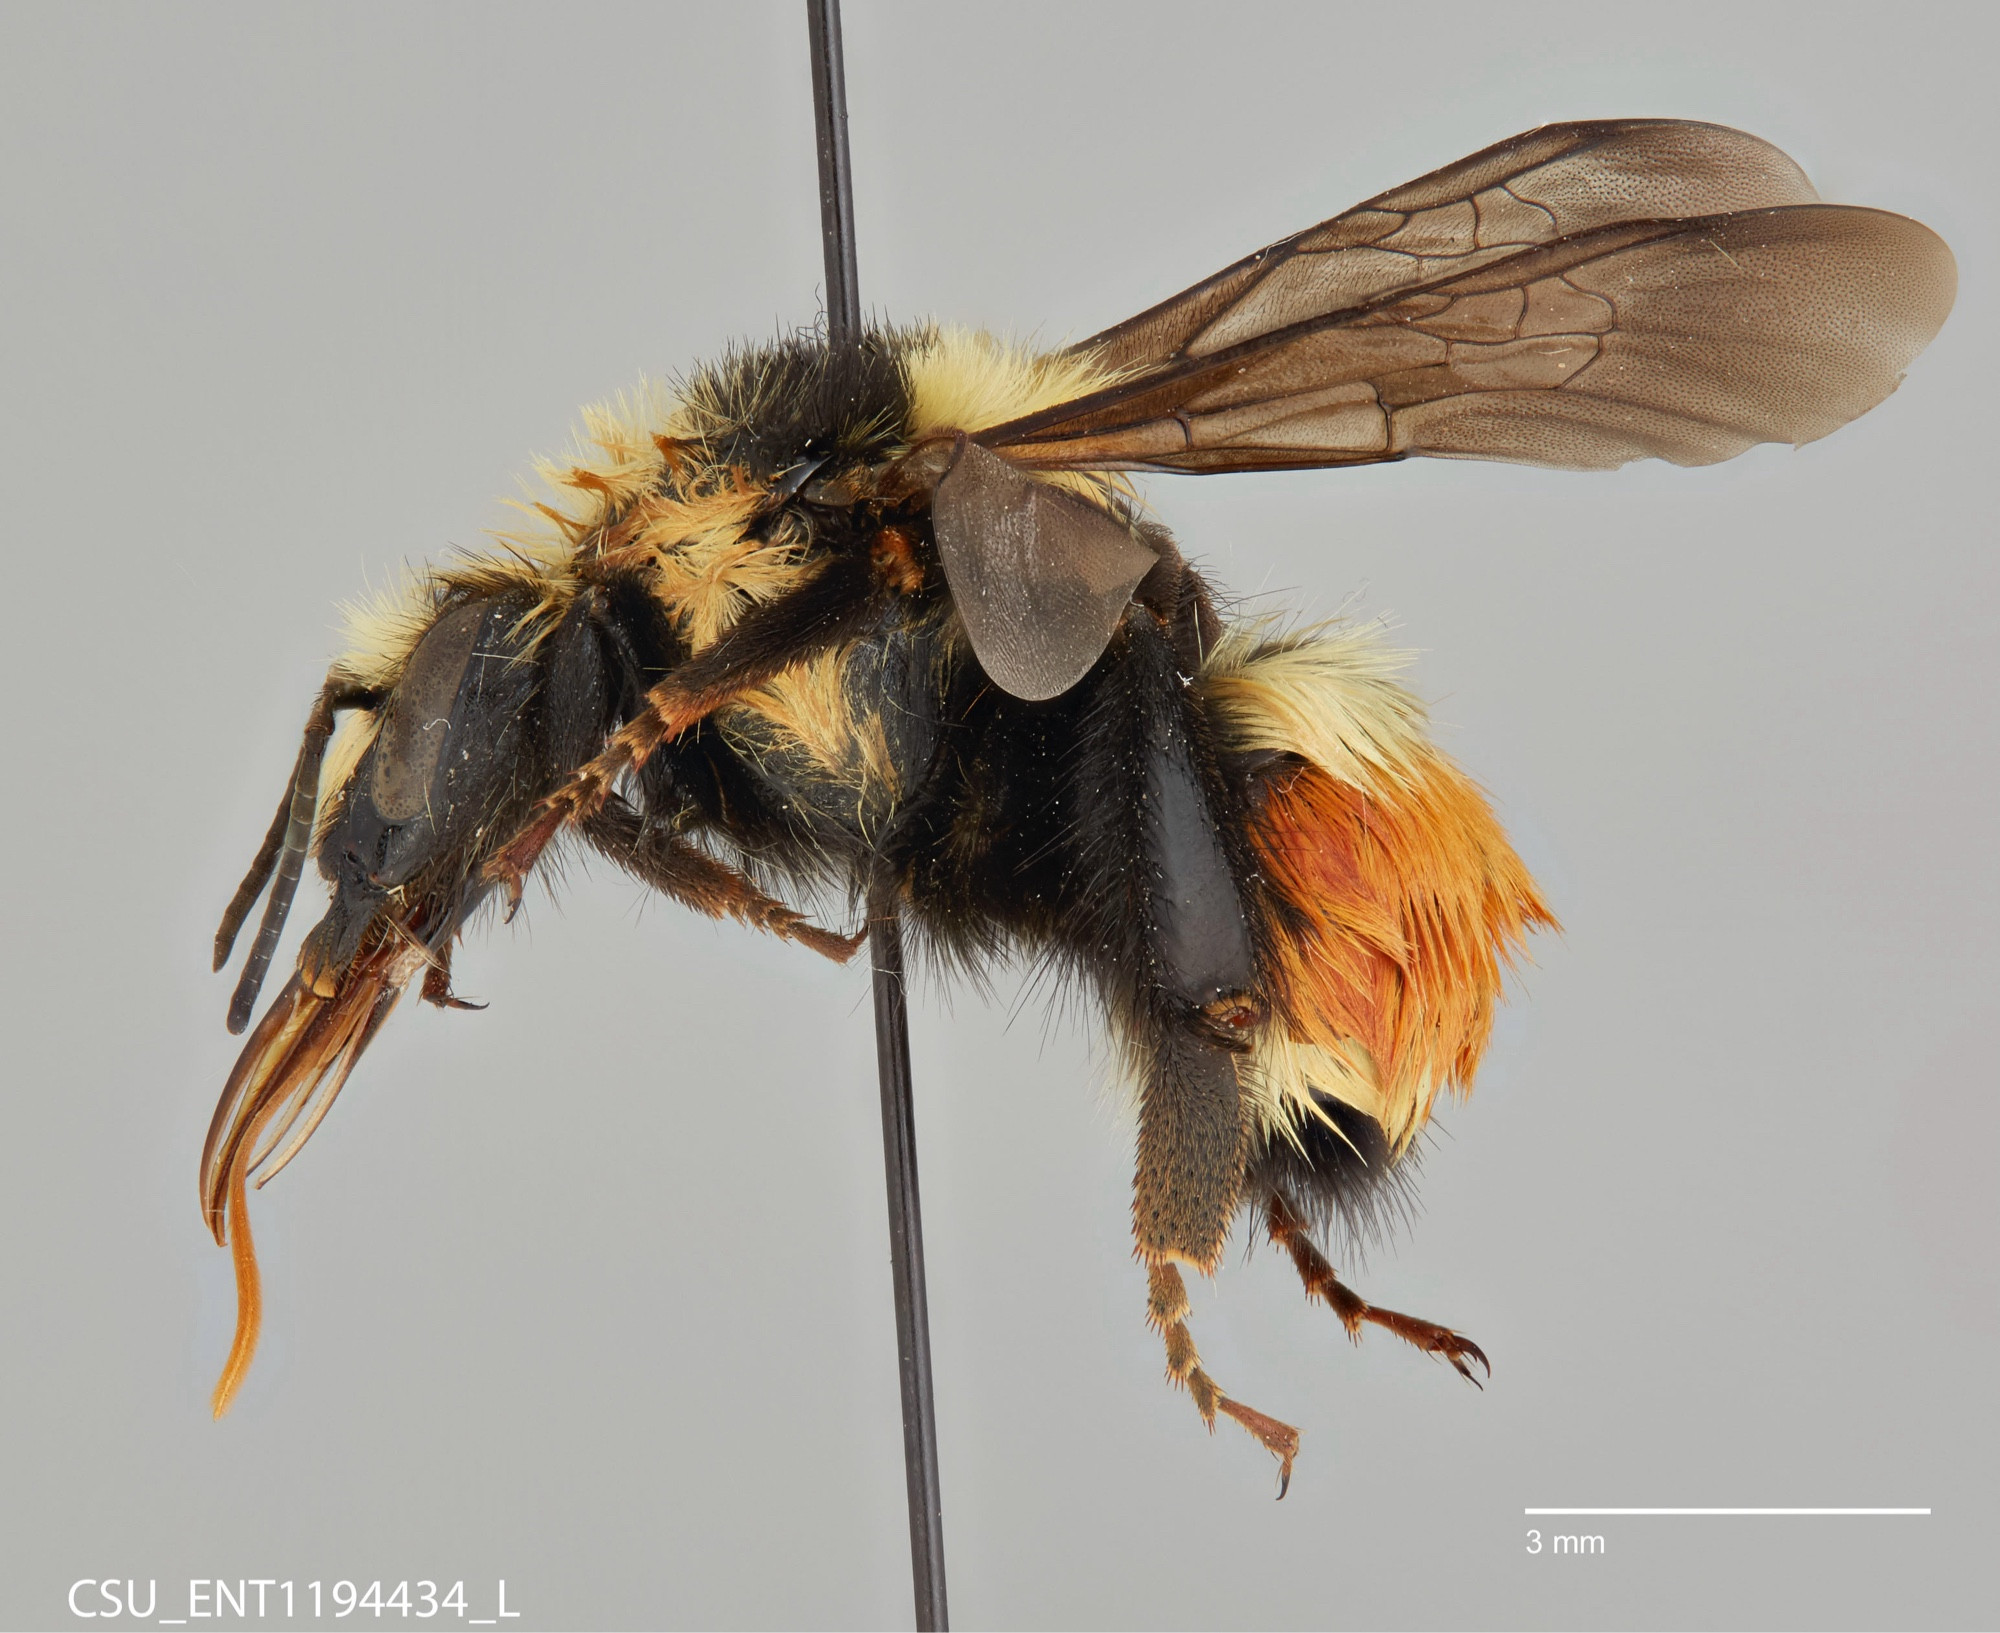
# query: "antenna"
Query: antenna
{"points": [[885, 933]]}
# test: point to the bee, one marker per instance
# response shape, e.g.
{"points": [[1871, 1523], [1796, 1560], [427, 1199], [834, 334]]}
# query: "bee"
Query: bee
{"points": [[825, 623]]}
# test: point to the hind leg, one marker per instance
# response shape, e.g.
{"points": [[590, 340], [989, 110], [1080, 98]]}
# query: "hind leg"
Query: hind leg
{"points": [[1167, 1312], [1160, 920], [1288, 1231]]}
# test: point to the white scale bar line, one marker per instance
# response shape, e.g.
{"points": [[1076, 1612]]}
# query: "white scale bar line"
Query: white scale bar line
{"points": [[1725, 1511]]}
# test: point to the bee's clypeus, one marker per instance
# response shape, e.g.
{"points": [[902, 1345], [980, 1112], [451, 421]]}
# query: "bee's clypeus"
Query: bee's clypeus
{"points": [[895, 617]]}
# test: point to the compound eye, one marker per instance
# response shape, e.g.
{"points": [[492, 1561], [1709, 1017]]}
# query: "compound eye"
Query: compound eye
{"points": [[451, 742], [420, 715]]}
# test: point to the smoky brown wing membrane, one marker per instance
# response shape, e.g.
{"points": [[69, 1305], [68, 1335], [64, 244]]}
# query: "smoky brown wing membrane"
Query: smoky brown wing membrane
{"points": [[1552, 182], [1538, 303], [1688, 341]]}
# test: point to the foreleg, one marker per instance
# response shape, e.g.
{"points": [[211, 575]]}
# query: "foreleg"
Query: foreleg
{"points": [[835, 603]]}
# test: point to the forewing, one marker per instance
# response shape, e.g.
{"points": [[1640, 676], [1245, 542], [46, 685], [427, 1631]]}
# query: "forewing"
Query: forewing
{"points": [[1039, 576], [1687, 340], [1532, 189]]}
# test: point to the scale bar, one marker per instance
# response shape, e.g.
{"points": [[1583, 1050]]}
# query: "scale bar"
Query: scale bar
{"points": [[1725, 1511]]}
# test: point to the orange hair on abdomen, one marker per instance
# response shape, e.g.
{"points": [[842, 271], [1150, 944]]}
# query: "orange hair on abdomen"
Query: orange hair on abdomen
{"points": [[1394, 916]]}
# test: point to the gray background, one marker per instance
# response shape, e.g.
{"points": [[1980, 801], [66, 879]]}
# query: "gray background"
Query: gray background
{"points": [[590, 1291]]}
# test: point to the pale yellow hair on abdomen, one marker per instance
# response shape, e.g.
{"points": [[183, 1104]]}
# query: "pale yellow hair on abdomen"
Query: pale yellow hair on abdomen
{"points": [[1405, 901]]}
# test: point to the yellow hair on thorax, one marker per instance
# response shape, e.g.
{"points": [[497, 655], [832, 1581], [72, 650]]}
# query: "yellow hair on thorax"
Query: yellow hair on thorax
{"points": [[640, 484], [808, 706], [967, 380], [611, 466]]}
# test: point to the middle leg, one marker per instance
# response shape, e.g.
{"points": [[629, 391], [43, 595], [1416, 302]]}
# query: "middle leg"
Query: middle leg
{"points": [[661, 858]]}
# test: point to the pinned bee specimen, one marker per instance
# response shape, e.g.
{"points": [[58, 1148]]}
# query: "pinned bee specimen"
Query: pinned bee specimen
{"points": [[829, 623]]}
